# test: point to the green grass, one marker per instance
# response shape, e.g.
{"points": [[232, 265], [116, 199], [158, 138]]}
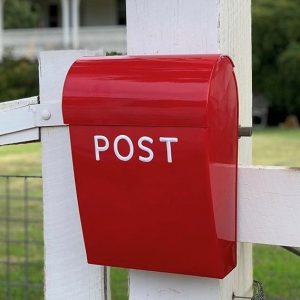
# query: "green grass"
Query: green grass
{"points": [[20, 159], [277, 269], [119, 284], [276, 147], [15, 207]]}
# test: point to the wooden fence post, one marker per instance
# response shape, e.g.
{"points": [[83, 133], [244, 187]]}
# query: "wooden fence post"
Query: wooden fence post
{"points": [[67, 274], [190, 27]]}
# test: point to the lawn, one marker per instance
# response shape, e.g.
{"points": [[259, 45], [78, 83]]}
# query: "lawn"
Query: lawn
{"points": [[21, 199], [277, 269], [276, 147]]}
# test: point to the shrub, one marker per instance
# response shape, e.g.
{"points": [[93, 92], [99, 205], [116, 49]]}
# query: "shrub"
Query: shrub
{"points": [[276, 53], [18, 78]]}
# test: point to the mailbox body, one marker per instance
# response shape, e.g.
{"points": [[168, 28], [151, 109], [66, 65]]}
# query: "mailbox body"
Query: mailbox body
{"points": [[173, 210]]}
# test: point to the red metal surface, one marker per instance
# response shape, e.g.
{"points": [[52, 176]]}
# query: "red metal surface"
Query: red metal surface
{"points": [[170, 214]]}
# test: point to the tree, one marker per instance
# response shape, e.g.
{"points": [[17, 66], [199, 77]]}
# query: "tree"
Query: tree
{"points": [[21, 13], [276, 52], [18, 78]]}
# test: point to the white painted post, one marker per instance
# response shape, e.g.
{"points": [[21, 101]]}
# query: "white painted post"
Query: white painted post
{"points": [[66, 22], [67, 273], [75, 23], [190, 27], [1, 29]]}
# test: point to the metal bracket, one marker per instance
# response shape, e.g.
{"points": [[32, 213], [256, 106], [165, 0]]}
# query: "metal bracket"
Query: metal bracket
{"points": [[245, 131], [20, 120], [48, 115], [27, 114]]}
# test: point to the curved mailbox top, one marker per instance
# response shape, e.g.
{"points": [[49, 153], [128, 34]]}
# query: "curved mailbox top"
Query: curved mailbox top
{"points": [[145, 90]]}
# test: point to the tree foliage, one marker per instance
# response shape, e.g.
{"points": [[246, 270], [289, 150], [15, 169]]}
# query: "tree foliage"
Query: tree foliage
{"points": [[21, 13], [18, 79], [276, 52]]}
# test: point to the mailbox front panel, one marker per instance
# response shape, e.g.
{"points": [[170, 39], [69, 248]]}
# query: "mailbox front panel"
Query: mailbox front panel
{"points": [[162, 196]]}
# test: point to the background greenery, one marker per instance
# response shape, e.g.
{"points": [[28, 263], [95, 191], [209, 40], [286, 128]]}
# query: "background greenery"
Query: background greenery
{"points": [[21, 13], [18, 78], [276, 268], [276, 53]]}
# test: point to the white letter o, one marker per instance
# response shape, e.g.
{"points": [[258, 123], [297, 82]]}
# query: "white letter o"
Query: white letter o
{"points": [[130, 144]]}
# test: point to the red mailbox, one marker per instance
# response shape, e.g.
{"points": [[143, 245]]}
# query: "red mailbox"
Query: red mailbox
{"points": [[154, 146]]}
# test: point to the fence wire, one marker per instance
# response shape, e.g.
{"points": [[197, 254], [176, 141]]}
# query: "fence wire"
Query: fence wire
{"points": [[21, 238]]}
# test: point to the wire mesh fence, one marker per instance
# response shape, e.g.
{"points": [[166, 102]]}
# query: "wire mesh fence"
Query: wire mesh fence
{"points": [[21, 238]]}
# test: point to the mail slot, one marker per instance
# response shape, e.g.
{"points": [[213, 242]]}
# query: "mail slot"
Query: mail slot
{"points": [[154, 149]]}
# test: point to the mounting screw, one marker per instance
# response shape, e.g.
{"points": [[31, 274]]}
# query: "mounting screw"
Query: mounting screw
{"points": [[46, 114], [245, 131]]}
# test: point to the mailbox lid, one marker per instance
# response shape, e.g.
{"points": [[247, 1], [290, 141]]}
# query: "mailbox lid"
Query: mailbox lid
{"points": [[142, 90]]}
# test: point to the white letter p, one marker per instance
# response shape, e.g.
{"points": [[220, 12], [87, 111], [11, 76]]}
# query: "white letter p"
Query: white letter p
{"points": [[99, 149]]}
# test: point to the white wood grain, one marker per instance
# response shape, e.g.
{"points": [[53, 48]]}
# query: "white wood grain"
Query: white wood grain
{"points": [[187, 27], [172, 27], [163, 286], [269, 205], [235, 40], [67, 274], [17, 122], [15, 104], [23, 118], [24, 136]]}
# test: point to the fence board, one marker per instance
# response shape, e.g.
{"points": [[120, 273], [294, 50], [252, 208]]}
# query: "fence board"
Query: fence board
{"points": [[269, 205], [23, 125]]}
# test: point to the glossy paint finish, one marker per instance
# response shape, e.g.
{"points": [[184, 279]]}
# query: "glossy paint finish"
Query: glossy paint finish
{"points": [[177, 216]]}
